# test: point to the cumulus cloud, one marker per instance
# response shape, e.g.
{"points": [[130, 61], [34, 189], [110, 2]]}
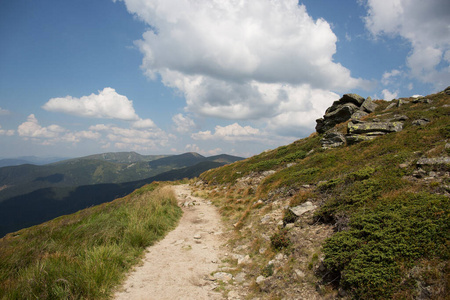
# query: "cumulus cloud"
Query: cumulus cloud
{"points": [[425, 25], [239, 59], [4, 112], [6, 132], [132, 138], [387, 95], [106, 104], [386, 78], [32, 129], [183, 124], [233, 132], [144, 123]]}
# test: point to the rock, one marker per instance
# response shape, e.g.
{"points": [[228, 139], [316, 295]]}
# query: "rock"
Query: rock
{"points": [[302, 208], [447, 91], [421, 122], [240, 277], [299, 273], [368, 105], [223, 276], [399, 118], [357, 138], [425, 161], [289, 226], [358, 115], [260, 279], [197, 236], [332, 139], [366, 127], [393, 104], [352, 98]]}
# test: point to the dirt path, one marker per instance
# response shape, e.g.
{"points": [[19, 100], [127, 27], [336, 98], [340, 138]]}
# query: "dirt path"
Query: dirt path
{"points": [[179, 266]]}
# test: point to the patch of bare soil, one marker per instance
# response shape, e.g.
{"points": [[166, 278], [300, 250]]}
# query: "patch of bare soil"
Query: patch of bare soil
{"points": [[180, 266]]}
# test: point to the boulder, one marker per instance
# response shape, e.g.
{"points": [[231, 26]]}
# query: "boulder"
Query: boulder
{"points": [[358, 115], [357, 138], [332, 139], [352, 98], [366, 127], [447, 91], [302, 208], [421, 122], [368, 105], [435, 161]]}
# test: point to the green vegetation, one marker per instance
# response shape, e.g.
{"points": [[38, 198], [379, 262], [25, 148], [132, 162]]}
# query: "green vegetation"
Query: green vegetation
{"points": [[84, 255], [391, 217]]}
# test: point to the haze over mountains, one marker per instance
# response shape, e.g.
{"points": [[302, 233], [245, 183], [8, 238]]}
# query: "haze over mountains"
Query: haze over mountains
{"points": [[31, 194]]}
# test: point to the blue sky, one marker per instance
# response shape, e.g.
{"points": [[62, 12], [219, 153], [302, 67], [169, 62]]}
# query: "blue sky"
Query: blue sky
{"points": [[170, 76]]}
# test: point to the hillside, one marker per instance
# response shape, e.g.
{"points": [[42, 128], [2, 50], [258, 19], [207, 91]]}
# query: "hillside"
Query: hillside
{"points": [[358, 210]]}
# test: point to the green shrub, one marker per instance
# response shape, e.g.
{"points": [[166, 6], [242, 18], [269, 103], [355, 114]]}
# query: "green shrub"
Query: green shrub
{"points": [[280, 240], [382, 243]]}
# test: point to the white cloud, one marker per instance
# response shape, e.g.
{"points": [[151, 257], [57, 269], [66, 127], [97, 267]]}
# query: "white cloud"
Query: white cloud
{"points": [[183, 123], [4, 112], [239, 59], [106, 104], [386, 79], [144, 123], [32, 129], [6, 132], [233, 132], [425, 25], [387, 95], [132, 138]]}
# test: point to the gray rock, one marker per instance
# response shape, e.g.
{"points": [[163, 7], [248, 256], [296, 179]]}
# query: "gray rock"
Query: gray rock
{"points": [[425, 161], [447, 91], [358, 115], [357, 138], [421, 122], [398, 118], [341, 114], [393, 104], [366, 127], [352, 98], [368, 105], [240, 277], [223, 276], [260, 279], [302, 208], [332, 139]]}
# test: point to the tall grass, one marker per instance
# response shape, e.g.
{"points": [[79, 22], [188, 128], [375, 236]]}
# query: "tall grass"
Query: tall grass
{"points": [[86, 254]]}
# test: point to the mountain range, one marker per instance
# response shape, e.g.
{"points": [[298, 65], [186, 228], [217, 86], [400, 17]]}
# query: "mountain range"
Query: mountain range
{"points": [[32, 194]]}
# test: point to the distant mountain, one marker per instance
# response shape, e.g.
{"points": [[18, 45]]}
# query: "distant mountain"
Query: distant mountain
{"points": [[29, 160], [122, 157], [47, 203]]}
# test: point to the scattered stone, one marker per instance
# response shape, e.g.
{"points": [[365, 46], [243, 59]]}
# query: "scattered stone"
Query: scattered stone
{"points": [[197, 236], [289, 226], [260, 279], [302, 208], [262, 250], [421, 122], [223, 276], [398, 118], [299, 273], [240, 277], [443, 160]]}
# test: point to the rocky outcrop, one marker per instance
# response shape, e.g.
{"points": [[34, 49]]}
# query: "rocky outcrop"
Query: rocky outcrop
{"points": [[364, 131], [349, 106], [333, 139]]}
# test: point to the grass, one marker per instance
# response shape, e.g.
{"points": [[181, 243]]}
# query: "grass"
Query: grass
{"points": [[86, 254], [392, 230]]}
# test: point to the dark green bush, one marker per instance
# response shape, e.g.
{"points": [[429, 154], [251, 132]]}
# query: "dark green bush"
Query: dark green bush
{"points": [[384, 242]]}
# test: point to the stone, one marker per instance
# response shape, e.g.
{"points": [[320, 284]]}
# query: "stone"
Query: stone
{"points": [[368, 105], [357, 138], [393, 104], [260, 279], [366, 127], [341, 114], [240, 277], [299, 273], [421, 122], [302, 208], [352, 98], [197, 236], [447, 91], [332, 139], [398, 118], [425, 161], [358, 115], [223, 276]]}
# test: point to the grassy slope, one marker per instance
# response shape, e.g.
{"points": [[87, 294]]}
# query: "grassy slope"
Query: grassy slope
{"points": [[394, 229], [84, 255]]}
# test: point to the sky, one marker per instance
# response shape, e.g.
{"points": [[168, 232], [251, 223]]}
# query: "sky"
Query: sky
{"points": [[79, 77]]}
